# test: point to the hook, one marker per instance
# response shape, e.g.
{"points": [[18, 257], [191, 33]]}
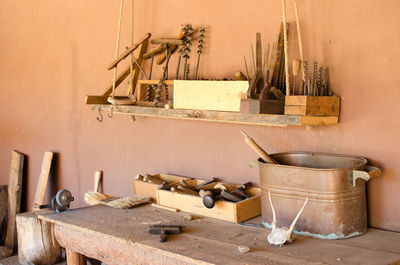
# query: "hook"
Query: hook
{"points": [[112, 112], [101, 115]]}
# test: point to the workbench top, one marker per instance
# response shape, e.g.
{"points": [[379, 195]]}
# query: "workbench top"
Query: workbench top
{"points": [[118, 236]]}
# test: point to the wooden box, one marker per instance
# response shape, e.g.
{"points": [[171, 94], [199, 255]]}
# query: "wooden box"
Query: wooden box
{"points": [[312, 105], [209, 95], [255, 106], [142, 88], [141, 188], [224, 210]]}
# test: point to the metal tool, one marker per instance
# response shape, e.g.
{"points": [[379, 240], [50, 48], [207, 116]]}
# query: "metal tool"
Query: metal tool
{"points": [[165, 230], [314, 79], [241, 191], [247, 70], [305, 82], [161, 85], [319, 82], [150, 88], [186, 51], [207, 182], [61, 201], [199, 50]]}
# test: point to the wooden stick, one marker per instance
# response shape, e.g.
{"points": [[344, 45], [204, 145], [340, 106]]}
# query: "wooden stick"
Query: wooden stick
{"points": [[300, 41], [285, 44], [129, 51], [258, 149], [117, 45], [43, 180], [252, 62], [14, 198], [97, 179]]}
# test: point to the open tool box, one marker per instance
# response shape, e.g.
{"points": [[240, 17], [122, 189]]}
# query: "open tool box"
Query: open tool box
{"points": [[225, 210]]}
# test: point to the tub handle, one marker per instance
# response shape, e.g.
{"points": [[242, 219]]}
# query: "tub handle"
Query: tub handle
{"points": [[369, 172]]}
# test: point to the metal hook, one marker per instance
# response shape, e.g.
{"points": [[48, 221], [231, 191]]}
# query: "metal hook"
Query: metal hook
{"points": [[112, 113], [101, 115]]}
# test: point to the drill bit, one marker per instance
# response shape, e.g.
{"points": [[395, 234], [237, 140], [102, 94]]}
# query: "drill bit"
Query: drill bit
{"points": [[319, 82], [150, 88], [187, 44], [314, 79], [199, 50], [305, 84]]}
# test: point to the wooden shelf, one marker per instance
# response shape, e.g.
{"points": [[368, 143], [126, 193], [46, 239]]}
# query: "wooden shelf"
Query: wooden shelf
{"points": [[222, 116]]}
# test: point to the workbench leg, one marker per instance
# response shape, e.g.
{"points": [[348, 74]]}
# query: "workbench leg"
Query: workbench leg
{"points": [[74, 258]]}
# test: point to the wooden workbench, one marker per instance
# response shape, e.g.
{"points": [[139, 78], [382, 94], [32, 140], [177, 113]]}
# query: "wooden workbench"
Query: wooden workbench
{"points": [[121, 237]]}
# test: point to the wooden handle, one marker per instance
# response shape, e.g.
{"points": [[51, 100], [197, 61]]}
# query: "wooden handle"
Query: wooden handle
{"points": [[296, 66], [162, 58], [97, 178], [258, 149], [129, 51], [159, 49]]}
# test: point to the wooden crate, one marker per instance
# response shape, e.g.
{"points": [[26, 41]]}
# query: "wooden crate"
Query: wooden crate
{"points": [[209, 95], [255, 106], [312, 105], [141, 188], [224, 210]]}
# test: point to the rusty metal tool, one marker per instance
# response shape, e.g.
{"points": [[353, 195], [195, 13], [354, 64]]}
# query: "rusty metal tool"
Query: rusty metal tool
{"points": [[150, 88], [165, 230], [264, 155], [314, 79], [199, 50], [319, 82], [186, 51], [304, 88], [241, 191], [296, 68]]}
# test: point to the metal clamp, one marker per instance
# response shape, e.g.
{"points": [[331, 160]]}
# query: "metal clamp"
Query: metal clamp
{"points": [[369, 173]]}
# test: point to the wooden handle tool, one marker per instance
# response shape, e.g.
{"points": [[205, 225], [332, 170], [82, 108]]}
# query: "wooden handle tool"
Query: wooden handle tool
{"points": [[128, 51], [97, 178], [159, 49], [296, 69], [167, 41], [172, 49], [258, 149]]}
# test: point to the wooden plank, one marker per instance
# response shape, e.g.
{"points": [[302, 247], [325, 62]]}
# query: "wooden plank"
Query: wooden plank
{"points": [[209, 95], [14, 197], [319, 120], [43, 180], [312, 105], [74, 258], [121, 237], [92, 100], [296, 110], [296, 100]]}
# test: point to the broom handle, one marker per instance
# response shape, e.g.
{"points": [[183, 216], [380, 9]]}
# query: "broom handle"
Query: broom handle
{"points": [[285, 46], [258, 149], [300, 41], [97, 179]]}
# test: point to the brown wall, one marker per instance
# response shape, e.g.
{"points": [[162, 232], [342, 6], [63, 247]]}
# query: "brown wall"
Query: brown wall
{"points": [[53, 53]]}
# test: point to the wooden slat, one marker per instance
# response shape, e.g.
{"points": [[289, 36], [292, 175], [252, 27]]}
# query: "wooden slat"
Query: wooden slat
{"points": [[136, 73], [225, 117], [14, 197], [42, 181], [74, 258]]}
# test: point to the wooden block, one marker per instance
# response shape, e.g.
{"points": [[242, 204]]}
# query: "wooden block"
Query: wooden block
{"points": [[14, 197], [224, 210], [36, 244], [43, 180], [209, 95], [255, 106], [312, 105]]}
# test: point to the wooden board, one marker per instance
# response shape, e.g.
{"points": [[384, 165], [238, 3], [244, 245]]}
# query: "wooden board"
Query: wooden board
{"points": [[43, 180], [312, 105], [224, 116], [14, 197], [120, 237], [224, 210], [209, 95], [255, 106]]}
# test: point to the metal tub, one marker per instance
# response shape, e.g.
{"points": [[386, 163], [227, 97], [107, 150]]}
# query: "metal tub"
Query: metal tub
{"points": [[335, 185]]}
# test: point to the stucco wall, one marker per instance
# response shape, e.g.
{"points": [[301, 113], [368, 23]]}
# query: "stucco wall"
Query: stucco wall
{"points": [[53, 53]]}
